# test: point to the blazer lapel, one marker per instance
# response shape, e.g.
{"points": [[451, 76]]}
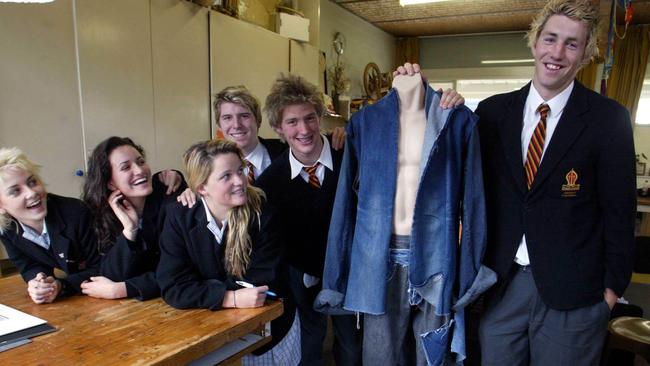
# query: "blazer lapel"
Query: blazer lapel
{"points": [[203, 241], [569, 127], [35, 251], [59, 244], [510, 127]]}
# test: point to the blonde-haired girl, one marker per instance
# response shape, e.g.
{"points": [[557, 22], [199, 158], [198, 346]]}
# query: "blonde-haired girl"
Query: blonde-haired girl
{"points": [[43, 232], [230, 235]]}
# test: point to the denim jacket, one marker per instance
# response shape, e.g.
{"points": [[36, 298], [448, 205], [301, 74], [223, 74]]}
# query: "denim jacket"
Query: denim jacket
{"points": [[447, 275]]}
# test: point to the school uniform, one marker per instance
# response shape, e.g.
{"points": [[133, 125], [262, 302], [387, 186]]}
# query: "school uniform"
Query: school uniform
{"points": [[69, 246], [192, 272], [305, 212], [135, 262], [558, 243], [274, 147], [263, 155]]}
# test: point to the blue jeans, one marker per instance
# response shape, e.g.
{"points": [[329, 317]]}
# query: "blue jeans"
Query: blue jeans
{"points": [[408, 332]]}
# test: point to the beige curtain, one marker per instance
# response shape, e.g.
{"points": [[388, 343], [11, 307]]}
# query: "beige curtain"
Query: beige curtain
{"points": [[628, 71], [588, 74], [407, 50]]}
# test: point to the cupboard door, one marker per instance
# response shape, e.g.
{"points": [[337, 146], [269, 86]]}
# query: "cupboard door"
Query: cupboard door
{"points": [[116, 71], [39, 97], [304, 61], [181, 78]]}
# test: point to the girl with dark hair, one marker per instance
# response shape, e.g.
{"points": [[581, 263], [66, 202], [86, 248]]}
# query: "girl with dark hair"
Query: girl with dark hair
{"points": [[128, 206], [49, 238], [230, 235]]}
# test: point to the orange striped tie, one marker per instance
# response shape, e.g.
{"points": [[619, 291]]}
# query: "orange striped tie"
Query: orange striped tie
{"points": [[313, 179], [251, 172], [536, 146]]}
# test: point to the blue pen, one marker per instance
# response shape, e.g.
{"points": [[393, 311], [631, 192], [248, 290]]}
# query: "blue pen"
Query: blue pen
{"points": [[250, 285]]}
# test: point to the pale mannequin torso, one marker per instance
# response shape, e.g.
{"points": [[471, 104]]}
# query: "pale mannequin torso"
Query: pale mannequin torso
{"points": [[412, 120]]}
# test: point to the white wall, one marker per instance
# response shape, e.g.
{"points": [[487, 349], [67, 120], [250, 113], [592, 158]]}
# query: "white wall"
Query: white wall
{"points": [[365, 43], [39, 96], [76, 72]]}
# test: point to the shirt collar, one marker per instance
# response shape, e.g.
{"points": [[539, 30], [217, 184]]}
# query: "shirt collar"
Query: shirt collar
{"points": [[325, 159], [32, 231], [256, 157], [40, 239], [557, 103], [212, 223]]}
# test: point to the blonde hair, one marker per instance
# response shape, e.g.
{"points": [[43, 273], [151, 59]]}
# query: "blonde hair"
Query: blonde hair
{"points": [[579, 10], [291, 90], [237, 95], [13, 159], [198, 161]]}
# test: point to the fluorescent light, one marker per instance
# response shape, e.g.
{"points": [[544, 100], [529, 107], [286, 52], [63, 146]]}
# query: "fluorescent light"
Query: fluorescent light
{"points": [[415, 2], [27, 1], [508, 61]]}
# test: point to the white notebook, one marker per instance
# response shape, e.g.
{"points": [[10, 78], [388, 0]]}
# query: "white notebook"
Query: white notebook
{"points": [[12, 320]]}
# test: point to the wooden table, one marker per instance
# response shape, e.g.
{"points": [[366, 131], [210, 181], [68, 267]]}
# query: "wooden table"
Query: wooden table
{"points": [[127, 332]]}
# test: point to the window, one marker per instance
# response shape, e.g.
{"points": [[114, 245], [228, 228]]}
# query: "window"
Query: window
{"points": [[643, 111], [475, 91], [442, 85]]}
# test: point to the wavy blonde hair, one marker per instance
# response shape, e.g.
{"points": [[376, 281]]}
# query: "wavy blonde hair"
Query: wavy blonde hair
{"points": [[12, 159], [237, 95], [198, 161], [580, 10]]}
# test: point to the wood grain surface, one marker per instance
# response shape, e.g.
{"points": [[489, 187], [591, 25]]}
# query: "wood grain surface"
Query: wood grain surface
{"points": [[125, 332]]}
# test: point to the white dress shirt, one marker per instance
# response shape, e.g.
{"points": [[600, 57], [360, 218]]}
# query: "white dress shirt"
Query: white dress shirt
{"points": [[325, 160], [40, 239], [212, 223], [531, 118], [260, 159]]}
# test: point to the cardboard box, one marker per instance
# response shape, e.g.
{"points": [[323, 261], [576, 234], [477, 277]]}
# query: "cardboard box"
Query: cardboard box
{"points": [[292, 26]]}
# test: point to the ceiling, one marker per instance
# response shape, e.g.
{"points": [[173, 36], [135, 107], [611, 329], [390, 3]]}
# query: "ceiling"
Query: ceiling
{"points": [[464, 16]]}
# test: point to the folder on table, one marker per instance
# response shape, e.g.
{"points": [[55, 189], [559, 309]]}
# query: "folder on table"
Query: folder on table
{"points": [[16, 327]]}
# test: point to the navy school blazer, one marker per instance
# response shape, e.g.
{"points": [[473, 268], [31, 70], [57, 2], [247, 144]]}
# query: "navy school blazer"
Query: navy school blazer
{"points": [[579, 214], [275, 147], [135, 262], [191, 273], [73, 248]]}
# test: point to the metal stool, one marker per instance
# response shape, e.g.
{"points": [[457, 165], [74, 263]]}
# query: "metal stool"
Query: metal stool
{"points": [[629, 334]]}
